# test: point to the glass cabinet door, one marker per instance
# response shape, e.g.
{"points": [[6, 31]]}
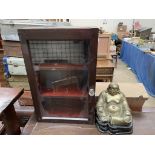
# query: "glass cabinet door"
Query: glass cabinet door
{"points": [[61, 69]]}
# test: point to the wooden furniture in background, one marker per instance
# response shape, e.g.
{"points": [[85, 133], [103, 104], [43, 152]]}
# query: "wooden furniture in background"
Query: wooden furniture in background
{"points": [[23, 113], [12, 48], [105, 67], [104, 70], [3, 82], [8, 96], [104, 41], [2, 77], [135, 93]]}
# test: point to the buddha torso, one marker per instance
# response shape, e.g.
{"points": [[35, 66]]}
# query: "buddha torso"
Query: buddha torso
{"points": [[113, 106]]}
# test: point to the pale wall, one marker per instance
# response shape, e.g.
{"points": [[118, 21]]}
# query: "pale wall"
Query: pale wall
{"points": [[110, 25]]}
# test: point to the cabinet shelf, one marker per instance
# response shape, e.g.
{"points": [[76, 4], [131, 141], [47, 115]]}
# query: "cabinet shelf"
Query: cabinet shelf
{"points": [[64, 93], [56, 66], [65, 115]]}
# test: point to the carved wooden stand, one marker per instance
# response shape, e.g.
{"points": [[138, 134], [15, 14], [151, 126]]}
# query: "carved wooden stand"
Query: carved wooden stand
{"points": [[8, 96]]}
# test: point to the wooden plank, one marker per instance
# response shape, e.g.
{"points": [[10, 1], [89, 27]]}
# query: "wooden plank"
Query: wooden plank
{"points": [[143, 124], [12, 48], [9, 96], [104, 70], [104, 44], [103, 63], [132, 90]]}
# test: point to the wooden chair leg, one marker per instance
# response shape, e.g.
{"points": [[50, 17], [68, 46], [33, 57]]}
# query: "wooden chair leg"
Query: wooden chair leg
{"points": [[10, 121]]}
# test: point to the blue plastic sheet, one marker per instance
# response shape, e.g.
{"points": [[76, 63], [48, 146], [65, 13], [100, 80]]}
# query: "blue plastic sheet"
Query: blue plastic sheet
{"points": [[142, 64], [6, 69]]}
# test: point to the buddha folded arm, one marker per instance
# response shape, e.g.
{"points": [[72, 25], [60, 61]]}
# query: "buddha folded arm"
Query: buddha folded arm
{"points": [[101, 107], [120, 120]]}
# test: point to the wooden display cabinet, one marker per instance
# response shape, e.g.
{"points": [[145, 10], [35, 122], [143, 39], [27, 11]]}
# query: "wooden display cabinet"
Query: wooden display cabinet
{"points": [[61, 68]]}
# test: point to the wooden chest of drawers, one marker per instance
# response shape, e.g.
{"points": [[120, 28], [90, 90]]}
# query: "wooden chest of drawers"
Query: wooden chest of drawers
{"points": [[104, 71]]}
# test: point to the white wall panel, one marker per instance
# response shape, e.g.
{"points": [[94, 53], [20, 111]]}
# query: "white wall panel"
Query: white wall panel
{"points": [[110, 25]]}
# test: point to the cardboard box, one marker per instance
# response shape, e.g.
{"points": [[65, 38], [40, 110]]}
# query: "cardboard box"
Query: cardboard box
{"points": [[12, 48], [122, 35], [122, 28]]}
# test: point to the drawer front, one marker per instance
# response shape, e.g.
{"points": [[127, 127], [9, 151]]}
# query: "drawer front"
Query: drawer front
{"points": [[104, 78], [104, 71]]}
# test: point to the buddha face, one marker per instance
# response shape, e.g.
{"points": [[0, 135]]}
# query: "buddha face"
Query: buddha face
{"points": [[113, 89]]}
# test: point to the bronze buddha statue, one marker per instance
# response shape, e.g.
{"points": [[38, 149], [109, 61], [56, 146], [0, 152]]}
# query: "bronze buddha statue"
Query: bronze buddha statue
{"points": [[113, 114]]}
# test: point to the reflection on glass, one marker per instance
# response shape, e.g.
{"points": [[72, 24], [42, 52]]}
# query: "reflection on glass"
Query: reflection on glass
{"points": [[62, 76]]}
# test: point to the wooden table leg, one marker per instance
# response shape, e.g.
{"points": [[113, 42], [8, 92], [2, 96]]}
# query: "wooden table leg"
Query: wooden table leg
{"points": [[10, 121]]}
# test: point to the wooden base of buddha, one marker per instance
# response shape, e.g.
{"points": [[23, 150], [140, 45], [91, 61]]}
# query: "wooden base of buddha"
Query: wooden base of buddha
{"points": [[106, 127]]}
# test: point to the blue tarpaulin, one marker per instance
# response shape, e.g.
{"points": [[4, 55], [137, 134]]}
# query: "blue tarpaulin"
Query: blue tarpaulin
{"points": [[142, 64], [6, 69]]}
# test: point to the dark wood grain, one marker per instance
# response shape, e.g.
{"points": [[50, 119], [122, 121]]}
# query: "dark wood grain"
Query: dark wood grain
{"points": [[2, 128], [90, 35], [105, 70], [8, 96], [10, 121], [143, 124]]}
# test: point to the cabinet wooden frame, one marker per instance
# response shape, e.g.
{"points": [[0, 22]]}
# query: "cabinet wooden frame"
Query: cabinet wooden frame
{"points": [[60, 34]]}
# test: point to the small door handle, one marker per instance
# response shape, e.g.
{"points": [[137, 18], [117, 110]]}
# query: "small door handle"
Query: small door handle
{"points": [[91, 92]]}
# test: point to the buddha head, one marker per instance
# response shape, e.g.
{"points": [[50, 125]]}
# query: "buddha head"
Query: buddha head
{"points": [[113, 89]]}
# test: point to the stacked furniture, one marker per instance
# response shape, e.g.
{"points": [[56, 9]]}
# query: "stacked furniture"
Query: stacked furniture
{"points": [[3, 82], [105, 70], [16, 76], [122, 31], [105, 67], [15, 69], [16, 73], [104, 51]]}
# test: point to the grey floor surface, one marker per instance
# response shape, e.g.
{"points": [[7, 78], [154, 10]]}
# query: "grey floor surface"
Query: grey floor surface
{"points": [[124, 74]]}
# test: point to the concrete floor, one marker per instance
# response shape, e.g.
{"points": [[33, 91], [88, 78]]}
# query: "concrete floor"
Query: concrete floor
{"points": [[123, 74]]}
